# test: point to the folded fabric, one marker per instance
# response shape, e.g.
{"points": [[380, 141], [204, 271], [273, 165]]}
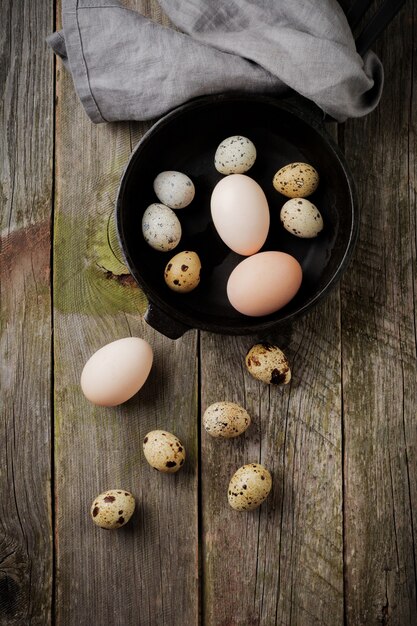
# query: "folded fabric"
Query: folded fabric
{"points": [[126, 67]]}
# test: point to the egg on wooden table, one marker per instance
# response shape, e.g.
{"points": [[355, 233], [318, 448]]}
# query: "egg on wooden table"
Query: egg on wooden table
{"points": [[226, 420], [249, 487], [240, 213], [164, 451], [112, 509], [264, 283], [269, 364], [117, 371]]}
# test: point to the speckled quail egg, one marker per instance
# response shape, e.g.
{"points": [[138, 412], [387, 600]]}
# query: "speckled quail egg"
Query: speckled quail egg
{"points": [[112, 509], [174, 189], [182, 273], [269, 364], [161, 228], [296, 180], [235, 155], [301, 218], [164, 451], [249, 487], [225, 419]]}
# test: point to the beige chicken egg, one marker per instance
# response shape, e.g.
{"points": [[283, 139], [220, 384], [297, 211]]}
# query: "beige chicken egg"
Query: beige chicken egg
{"points": [[226, 419], [117, 371], [264, 283], [112, 509], [268, 364], [164, 451], [296, 180], [235, 155], [182, 273], [249, 487]]}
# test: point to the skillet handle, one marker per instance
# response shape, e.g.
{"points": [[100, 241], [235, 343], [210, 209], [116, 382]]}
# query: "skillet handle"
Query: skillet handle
{"points": [[163, 324]]}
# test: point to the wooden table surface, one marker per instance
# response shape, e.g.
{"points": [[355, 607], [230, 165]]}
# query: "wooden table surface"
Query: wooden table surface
{"points": [[335, 543]]}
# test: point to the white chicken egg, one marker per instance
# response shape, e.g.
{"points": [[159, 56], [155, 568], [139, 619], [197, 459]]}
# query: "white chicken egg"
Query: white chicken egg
{"points": [[240, 213], [161, 228], [235, 155], [174, 189]]}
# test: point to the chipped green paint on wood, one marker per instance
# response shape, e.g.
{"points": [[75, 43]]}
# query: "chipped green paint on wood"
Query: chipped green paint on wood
{"points": [[109, 254], [86, 241], [147, 570]]}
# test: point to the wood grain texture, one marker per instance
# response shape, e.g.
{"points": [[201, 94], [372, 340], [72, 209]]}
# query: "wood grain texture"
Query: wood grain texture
{"points": [[147, 572], [349, 414], [379, 349], [26, 157], [282, 563]]}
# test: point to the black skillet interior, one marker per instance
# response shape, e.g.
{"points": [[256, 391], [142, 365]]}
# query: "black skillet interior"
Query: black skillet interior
{"points": [[186, 140]]}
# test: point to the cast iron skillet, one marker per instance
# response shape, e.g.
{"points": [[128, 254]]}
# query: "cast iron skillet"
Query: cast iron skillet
{"points": [[186, 140]]}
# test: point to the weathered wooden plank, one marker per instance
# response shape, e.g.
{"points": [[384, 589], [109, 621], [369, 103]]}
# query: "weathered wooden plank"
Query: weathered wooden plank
{"points": [[146, 572], [281, 564], [26, 149], [379, 349]]}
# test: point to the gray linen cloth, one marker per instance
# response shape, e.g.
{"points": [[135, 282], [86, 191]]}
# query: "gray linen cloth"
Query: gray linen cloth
{"points": [[126, 67]]}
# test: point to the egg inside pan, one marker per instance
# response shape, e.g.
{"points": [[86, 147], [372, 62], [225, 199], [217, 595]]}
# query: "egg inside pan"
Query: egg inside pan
{"points": [[186, 141]]}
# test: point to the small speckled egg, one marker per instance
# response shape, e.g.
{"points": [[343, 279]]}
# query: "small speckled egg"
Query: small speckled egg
{"points": [[269, 364], [235, 155], [161, 228], [301, 218], [296, 180], [249, 487], [112, 509], [182, 273], [225, 419], [164, 451], [174, 189]]}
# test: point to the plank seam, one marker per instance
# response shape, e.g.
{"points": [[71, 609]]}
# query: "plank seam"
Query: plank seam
{"points": [[284, 446], [200, 560], [341, 143], [407, 466], [52, 357], [410, 126], [410, 195]]}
